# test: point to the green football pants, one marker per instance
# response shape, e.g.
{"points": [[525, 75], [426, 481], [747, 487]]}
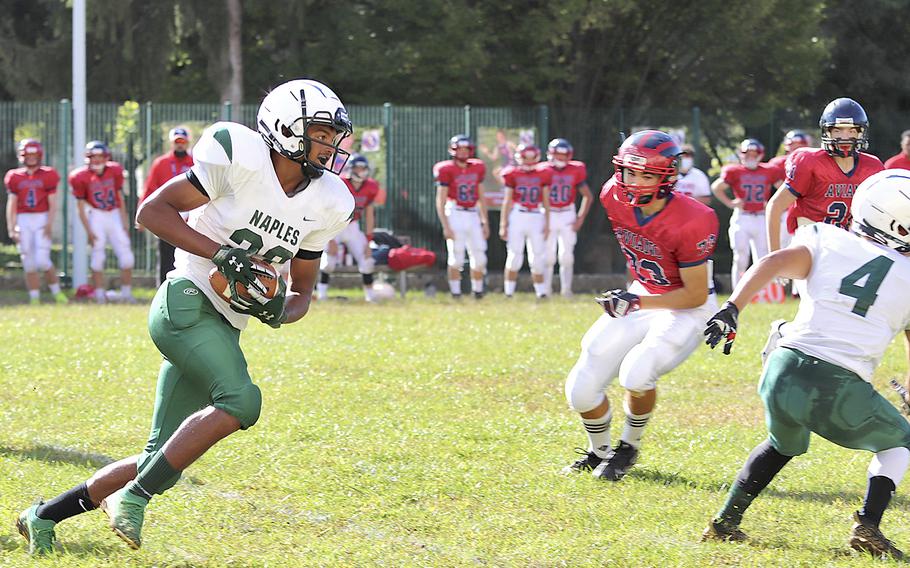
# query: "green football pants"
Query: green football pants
{"points": [[803, 394], [203, 364]]}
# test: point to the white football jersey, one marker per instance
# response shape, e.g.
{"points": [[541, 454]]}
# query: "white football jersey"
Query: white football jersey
{"points": [[249, 209], [853, 302]]}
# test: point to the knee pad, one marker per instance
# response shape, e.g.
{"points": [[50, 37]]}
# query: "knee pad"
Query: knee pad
{"points": [[538, 264], [244, 404], [97, 260], [28, 263], [479, 261], [583, 388], [126, 259], [514, 260], [366, 265], [638, 373], [567, 258], [456, 254], [327, 263]]}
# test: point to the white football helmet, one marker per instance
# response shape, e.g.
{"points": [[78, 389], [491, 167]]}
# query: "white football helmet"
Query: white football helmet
{"points": [[881, 209], [289, 109]]}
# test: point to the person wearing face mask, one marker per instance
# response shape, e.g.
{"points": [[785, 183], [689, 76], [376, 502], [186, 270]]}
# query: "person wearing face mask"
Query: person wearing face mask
{"points": [[692, 181], [97, 187], [751, 183], [176, 162]]}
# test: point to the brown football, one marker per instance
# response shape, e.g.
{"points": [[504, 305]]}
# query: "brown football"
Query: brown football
{"points": [[265, 272]]}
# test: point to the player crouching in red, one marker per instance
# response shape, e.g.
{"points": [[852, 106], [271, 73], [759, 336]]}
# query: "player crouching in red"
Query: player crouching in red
{"points": [[653, 327]]}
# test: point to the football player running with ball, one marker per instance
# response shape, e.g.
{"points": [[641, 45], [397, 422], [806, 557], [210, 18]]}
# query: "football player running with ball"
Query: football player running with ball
{"points": [[653, 327], [852, 304], [270, 194]]}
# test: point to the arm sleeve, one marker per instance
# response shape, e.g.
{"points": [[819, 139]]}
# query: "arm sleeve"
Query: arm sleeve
{"points": [[699, 238], [441, 175], [7, 181], [582, 176], [52, 181], [79, 189], [798, 174]]}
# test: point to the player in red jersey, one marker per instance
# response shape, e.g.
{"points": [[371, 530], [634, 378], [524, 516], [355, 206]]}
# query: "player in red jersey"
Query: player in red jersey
{"points": [[902, 159], [462, 212], [525, 218], [177, 161], [820, 182], [365, 191], [30, 208], [97, 187], [793, 140], [751, 183], [654, 326], [569, 178]]}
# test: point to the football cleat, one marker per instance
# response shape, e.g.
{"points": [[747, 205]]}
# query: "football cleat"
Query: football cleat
{"points": [[587, 462], [618, 464], [34, 301], [722, 532], [61, 298], [478, 295], [126, 513], [866, 537], [39, 533]]}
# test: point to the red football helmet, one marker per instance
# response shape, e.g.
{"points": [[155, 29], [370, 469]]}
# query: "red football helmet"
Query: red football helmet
{"points": [[652, 152], [527, 154], [30, 147]]}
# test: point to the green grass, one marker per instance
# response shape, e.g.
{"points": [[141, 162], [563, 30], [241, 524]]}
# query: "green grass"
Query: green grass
{"points": [[417, 433]]}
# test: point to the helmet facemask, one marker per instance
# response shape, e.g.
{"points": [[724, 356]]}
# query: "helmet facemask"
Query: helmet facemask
{"points": [[832, 145]]}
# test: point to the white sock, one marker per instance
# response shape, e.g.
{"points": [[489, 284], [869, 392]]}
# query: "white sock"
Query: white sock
{"points": [[634, 427], [477, 286], [368, 293], [126, 291], [598, 430], [322, 291], [99, 295], [548, 280], [509, 287], [34, 294], [455, 286], [55, 288], [540, 289], [565, 281]]}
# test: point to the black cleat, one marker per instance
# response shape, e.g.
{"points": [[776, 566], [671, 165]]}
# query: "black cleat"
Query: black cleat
{"points": [[478, 295], [618, 465], [720, 531], [587, 462], [456, 296], [866, 537]]}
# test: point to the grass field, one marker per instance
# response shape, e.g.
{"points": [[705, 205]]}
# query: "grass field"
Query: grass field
{"points": [[417, 433]]}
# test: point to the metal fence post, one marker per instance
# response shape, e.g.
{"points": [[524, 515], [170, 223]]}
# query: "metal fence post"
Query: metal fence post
{"points": [[389, 167], [226, 111], [467, 121], [543, 122], [64, 167]]}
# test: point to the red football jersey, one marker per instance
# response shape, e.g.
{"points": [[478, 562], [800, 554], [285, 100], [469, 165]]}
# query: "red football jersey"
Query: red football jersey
{"points": [[682, 234], [779, 162], [824, 192], [527, 185], [565, 182], [899, 161], [101, 191], [163, 169], [461, 181], [31, 190], [363, 196], [752, 186]]}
